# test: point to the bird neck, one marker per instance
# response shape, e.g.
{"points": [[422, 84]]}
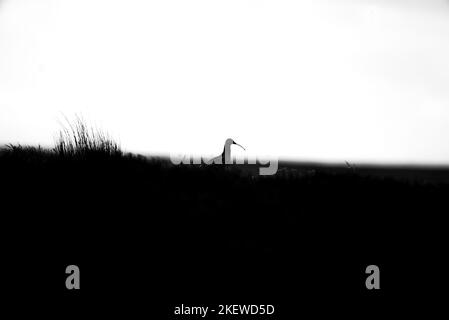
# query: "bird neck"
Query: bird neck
{"points": [[226, 155]]}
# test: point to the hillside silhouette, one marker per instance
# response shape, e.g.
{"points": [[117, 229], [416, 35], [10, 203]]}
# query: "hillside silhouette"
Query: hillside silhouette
{"points": [[139, 226]]}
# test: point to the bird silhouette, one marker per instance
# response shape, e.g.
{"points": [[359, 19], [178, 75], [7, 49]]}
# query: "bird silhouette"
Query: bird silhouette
{"points": [[225, 156]]}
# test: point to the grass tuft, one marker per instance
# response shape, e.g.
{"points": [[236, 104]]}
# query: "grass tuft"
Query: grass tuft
{"points": [[77, 139]]}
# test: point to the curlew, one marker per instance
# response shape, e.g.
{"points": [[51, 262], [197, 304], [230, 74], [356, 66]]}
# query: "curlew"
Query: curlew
{"points": [[225, 156]]}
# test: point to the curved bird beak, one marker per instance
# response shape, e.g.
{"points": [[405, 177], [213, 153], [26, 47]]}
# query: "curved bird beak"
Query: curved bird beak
{"points": [[239, 145]]}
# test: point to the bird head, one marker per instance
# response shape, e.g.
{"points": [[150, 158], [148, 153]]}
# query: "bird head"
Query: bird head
{"points": [[230, 141]]}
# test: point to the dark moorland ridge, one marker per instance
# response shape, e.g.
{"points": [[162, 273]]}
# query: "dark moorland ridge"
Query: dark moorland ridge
{"points": [[141, 227]]}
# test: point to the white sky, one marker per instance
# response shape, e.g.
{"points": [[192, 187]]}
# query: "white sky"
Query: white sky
{"points": [[326, 80]]}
